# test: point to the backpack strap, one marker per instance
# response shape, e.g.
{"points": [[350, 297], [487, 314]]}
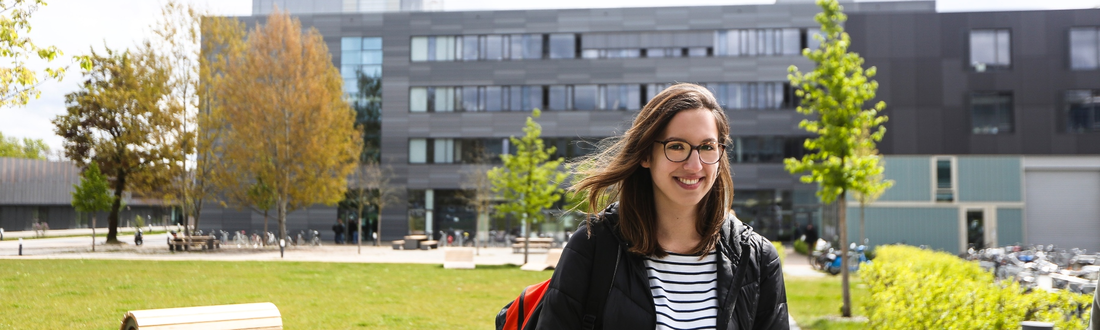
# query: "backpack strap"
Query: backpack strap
{"points": [[599, 284]]}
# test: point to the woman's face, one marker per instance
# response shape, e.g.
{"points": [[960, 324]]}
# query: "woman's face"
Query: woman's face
{"points": [[682, 185]]}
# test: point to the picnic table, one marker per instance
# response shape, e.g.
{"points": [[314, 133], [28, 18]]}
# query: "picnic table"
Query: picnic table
{"points": [[194, 242]]}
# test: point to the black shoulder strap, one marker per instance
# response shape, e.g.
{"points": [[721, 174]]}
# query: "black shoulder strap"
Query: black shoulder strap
{"points": [[599, 284]]}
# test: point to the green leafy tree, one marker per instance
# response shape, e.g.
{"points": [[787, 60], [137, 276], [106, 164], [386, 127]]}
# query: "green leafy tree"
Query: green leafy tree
{"points": [[27, 148], [869, 191], [833, 94], [18, 83], [120, 120], [92, 195], [529, 180]]}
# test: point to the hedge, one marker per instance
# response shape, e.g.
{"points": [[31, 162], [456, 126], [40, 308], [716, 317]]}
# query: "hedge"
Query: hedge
{"points": [[912, 288]]}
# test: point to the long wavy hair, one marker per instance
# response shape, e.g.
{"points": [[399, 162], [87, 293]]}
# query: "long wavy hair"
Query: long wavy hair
{"points": [[614, 173]]}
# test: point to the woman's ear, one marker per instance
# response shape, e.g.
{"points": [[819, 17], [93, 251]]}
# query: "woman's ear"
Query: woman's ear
{"points": [[645, 161]]}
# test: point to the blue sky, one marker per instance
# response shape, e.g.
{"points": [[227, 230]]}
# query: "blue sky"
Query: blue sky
{"points": [[76, 26]]}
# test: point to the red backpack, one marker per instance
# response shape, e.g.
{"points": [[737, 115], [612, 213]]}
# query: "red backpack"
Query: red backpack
{"points": [[523, 313]]}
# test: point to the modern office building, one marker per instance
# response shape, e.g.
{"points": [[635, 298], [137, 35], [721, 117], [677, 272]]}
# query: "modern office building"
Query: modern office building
{"points": [[994, 128]]}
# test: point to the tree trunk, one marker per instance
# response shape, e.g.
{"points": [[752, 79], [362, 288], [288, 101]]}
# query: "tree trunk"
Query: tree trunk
{"points": [[93, 233], [359, 229], [842, 205], [112, 219], [378, 230], [282, 218], [264, 239], [526, 236]]}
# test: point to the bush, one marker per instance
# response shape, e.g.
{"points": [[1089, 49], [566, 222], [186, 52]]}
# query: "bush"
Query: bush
{"points": [[801, 247], [913, 288], [782, 255]]}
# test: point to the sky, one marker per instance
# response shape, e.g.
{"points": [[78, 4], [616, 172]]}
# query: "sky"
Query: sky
{"points": [[76, 26]]}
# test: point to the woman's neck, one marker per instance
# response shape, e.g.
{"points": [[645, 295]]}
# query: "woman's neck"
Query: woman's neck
{"points": [[676, 230]]}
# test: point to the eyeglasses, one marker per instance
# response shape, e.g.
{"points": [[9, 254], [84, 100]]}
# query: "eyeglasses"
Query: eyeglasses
{"points": [[678, 151]]}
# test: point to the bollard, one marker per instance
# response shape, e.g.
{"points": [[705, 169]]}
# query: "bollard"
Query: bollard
{"points": [[1, 234], [282, 246], [1033, 325], [20, 246]]}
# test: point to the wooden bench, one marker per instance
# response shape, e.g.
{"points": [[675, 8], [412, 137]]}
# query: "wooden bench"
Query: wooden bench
{"points": [[537, 243], [429, 244], [260, 316], [398, 244], [458, 258], [412, 242], [187, 243], [551, 261]]}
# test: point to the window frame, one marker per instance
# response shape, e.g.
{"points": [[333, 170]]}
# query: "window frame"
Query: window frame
{"points": [[987, 67]]}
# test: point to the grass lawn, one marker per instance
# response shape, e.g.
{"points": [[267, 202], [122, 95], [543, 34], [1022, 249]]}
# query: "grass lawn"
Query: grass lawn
{"points": [[815, 302], [94, 294]]}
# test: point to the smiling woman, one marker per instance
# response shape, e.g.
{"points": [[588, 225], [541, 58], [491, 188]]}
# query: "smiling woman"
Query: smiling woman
{"points": [[688, 259]]}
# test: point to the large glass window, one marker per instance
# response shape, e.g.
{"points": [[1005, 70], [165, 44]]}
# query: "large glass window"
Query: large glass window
{"points": [[493, 98], [558, 98], [418, 99], [991, 112], [584, 97], [990, 49], [418, 151], [620, 97], [470, 99], [764, 95], [563, 45], [764, 149], [758, 42], [945, 187], [1084, 48], [469, 48], [1083, 111], [443, 99]]}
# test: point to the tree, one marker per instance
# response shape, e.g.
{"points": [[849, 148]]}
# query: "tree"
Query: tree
{"points": [[120, 120], [92, 194], [287, 123], [18, 83], [180, 36], [369, 186], [869, 191], [529, 179], [479, 192], [836, 91], [27, 148]]}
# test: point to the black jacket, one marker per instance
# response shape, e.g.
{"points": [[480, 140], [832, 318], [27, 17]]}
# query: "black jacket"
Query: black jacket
{"points": [[751, 294]]}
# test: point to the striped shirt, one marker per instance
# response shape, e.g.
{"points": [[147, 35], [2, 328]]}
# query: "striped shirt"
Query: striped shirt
{"points": [[685, 290]]}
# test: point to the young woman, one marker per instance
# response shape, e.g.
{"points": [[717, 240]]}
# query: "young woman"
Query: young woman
{"points": [[686, 262]]}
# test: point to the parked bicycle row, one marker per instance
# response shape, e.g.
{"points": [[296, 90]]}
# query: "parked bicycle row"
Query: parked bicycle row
{"points": [[1041, 266]]}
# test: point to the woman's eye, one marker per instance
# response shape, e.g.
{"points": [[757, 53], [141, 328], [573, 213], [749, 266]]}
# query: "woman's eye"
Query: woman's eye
{"points": [[676, 146]]}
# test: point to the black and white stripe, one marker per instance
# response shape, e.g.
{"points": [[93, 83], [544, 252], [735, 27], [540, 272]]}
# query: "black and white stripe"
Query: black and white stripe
{"points": [[684, 290]]}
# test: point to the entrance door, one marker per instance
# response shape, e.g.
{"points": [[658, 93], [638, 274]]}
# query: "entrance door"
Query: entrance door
{"points": [[977, 227]]}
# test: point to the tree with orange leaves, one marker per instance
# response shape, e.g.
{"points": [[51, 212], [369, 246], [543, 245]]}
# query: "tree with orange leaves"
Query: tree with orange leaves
{"points": [[286, 121]]}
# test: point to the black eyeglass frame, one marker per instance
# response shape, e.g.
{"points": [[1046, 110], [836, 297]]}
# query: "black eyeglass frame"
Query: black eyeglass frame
{"points": [[664, 149]]}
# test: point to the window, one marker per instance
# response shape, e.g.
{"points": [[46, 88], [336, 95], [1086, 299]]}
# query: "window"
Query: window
{"points": [[558, 98], [619, 97], [418, 99], [418, 151], [584, 97], [945, 183], [444, 151], [990, 49], [361, 55], [758, 42], [991, 113], [563, 45], [763, 95], [764, 149], [1083, 111], [1084, 48]]}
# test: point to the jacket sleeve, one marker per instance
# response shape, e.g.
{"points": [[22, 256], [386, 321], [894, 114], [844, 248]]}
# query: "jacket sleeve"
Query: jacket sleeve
{"points": [[771, 311], [563, 303]]}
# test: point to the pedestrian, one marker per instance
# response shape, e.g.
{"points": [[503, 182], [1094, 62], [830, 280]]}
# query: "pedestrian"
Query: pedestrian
{"points": [[353, 228], [338, 229], [811, 235], [686, 261]]}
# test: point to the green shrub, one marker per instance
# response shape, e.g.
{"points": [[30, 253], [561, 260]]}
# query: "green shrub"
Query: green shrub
{"points": [[913, 288], [782, 254], [801, 247]]}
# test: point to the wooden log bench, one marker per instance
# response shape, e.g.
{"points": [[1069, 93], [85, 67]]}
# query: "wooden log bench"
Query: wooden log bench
{"points": [[537, 243], [458, 258], [551, 261], [259, 316]]}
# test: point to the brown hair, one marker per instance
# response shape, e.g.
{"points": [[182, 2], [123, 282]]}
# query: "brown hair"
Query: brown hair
{"points": [[615, 173]]}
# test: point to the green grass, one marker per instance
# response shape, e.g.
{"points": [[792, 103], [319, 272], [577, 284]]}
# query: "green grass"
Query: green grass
{"points": [[815, 302], [94, 294]]}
